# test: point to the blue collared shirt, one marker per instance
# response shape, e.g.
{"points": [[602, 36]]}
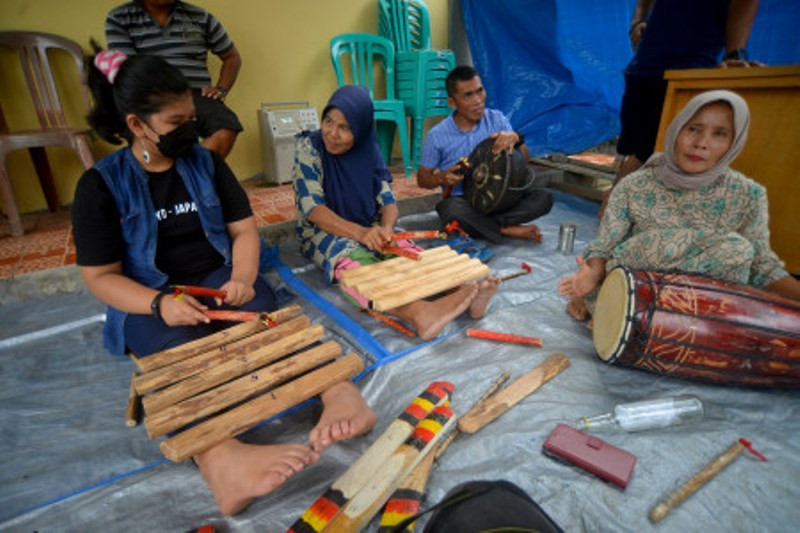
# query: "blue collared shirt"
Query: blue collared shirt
{"points": [[445, 143]]}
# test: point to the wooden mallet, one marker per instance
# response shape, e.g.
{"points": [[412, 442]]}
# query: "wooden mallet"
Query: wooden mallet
{"points": [[526, 269]]}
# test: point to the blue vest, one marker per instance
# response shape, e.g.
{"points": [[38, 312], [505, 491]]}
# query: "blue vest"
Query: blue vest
{"points": [[128, 184]]}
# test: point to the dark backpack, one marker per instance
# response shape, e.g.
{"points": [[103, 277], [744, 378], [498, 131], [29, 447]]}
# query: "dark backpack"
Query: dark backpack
{"points": [[483, 507]]}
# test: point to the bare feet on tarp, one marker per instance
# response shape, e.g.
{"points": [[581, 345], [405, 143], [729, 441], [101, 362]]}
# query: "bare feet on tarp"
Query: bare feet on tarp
{"points": [[237, 472], [345, 414], [529, 232], [486, 289], [430, 318]]}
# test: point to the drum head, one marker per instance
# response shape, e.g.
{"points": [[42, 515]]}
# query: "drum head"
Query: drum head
{"points": [[612, 315]]}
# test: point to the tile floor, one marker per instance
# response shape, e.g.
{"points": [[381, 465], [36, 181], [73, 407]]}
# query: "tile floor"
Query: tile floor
{"points": [[47, 242]]}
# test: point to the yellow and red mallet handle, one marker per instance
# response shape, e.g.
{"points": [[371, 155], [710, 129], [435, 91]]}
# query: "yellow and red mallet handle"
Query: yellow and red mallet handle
{"points": [[179, 290], [503, 337], [524, 270], [699, 479]]}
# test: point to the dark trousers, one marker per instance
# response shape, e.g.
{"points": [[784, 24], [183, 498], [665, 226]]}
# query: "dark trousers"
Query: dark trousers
{"points": [[532, 205], [144, 335]]}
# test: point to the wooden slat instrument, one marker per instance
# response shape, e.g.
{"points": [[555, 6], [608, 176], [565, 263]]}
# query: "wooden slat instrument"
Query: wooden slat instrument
{"points": [[399, 281], [230, 382]]}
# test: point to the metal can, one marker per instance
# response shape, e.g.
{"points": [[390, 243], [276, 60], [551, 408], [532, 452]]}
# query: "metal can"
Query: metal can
{"points": [[566, 238]]}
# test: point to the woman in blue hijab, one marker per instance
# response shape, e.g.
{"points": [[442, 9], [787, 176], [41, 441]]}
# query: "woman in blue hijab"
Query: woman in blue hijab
{"points": [[347, 212]]}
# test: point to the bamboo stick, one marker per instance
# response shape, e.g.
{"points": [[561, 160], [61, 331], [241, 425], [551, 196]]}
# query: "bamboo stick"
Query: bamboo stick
{"points": [[406, 500], [208, 434], [510, 396], [370, 499], [325, 508], [231, 369], [396, 264], [447, 271], [440, 284], [698, 480], [197, 407], [167, 375], [387, 279], [210, 342]]}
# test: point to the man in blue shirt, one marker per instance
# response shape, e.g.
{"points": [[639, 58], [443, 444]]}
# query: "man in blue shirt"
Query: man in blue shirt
{"points": [[456, 137]]}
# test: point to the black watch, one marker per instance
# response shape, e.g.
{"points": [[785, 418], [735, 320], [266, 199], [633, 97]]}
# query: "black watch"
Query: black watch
{"points": [[739, 53], [154, 305]]}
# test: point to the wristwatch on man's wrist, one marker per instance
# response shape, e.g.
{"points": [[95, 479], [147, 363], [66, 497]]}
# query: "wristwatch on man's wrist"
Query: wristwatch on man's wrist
{"points": [[222, 90], [739, 53]]}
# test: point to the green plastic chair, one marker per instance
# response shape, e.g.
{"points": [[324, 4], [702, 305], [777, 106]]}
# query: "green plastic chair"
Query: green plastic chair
{"points": [[406, 23], [368, 53], [421, 77]]}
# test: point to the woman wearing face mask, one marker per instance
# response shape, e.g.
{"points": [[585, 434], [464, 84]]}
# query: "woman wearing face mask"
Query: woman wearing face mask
{"points": [[347, 211], [687, 210], [166, 211]]}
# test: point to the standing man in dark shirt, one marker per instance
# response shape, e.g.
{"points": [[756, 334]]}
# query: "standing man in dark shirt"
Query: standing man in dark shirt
{"points": [[183, 35], [674, 34]]}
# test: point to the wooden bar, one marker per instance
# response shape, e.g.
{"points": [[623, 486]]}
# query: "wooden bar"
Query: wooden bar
{"points": [[167, 375], [215, 400], [502, 401], [210, 342], [440, 284], [387, 280], [397, 264], [216, 430], [231, 369], [417, 280]]}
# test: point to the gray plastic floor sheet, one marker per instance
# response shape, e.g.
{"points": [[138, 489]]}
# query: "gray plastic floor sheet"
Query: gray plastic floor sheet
{"points": [[68, 463]]}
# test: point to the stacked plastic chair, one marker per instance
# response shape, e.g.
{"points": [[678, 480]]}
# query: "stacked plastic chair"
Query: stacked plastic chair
{"points": [[420, 71], [367, 53]]}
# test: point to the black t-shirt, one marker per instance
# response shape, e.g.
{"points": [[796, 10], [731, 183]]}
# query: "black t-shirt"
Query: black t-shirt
{"points": [[183, 252]]}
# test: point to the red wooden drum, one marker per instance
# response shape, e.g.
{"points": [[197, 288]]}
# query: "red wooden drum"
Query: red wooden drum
{"points": [[694, 327]]}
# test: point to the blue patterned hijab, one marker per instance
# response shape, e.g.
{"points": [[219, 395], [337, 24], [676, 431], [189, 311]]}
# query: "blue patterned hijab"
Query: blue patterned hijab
{"points": [[352, 180]]}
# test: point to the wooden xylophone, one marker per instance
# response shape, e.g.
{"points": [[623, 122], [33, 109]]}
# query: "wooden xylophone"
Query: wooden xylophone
{"points": [[213, 388], [399, 281]]}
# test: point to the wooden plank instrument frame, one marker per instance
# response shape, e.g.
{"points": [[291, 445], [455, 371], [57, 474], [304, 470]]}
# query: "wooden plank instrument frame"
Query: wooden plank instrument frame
{"points": [[400, 281], [214, 388]]}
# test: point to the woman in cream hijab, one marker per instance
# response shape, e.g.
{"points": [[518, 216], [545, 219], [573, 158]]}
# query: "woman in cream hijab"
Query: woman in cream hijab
{"points": [[687, 210]]}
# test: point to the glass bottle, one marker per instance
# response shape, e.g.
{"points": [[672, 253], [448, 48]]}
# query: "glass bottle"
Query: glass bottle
{"points": [[648, 414]]}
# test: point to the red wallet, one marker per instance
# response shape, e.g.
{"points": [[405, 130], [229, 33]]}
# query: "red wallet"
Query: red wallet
{"points": [[594, 455]]}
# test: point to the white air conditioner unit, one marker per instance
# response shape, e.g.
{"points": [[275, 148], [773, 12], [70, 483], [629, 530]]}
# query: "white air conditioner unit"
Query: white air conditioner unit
{"points": [[279, 122]]}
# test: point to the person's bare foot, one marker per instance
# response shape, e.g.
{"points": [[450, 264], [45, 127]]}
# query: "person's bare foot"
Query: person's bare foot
{"points": [[528, 232], [345, 414], [577, 309], [237, 472], [486, 289], [430, 318]]}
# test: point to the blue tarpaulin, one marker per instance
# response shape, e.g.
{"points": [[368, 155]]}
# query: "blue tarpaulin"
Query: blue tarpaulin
{"points": [[555, 67]]}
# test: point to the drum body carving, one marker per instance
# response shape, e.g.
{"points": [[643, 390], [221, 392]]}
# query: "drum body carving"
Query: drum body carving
{"points": [[694, 327]]}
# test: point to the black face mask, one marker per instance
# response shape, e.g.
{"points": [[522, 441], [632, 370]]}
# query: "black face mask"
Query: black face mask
{"points": [[179, 142]]}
